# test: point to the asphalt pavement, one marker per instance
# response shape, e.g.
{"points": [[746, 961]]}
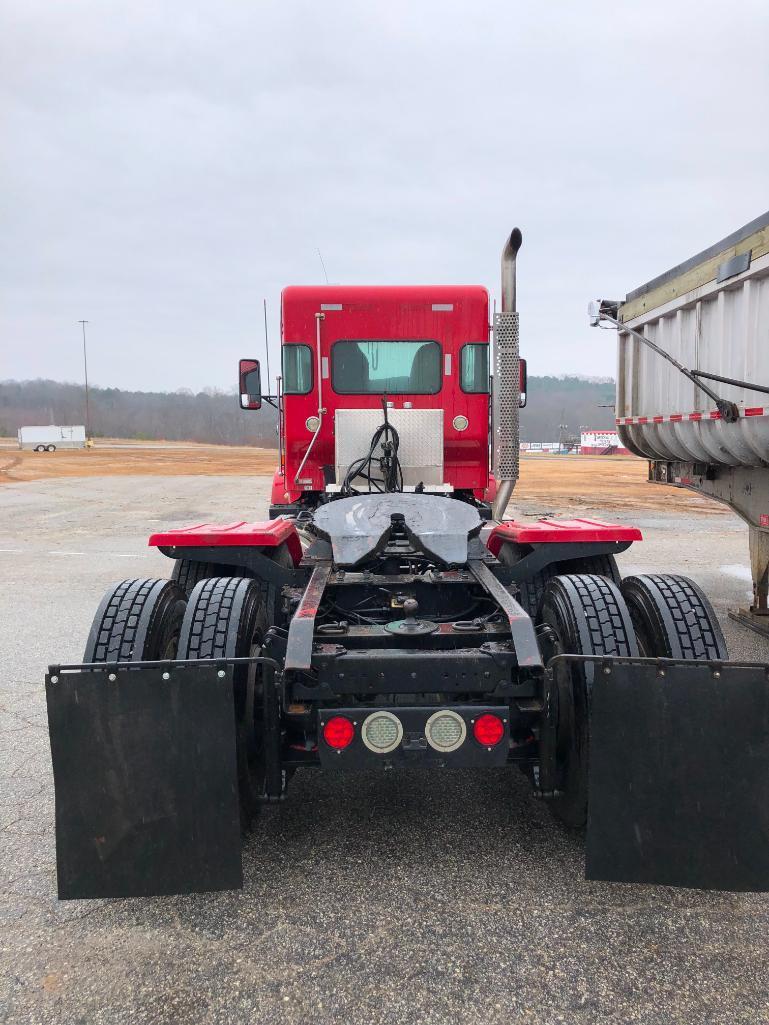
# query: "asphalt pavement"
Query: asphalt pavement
{"points": [[382, 898]]}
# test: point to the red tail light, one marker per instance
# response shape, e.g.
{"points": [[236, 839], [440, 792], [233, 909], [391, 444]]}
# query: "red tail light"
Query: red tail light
{"points": [[338, 732], [488, 729]]}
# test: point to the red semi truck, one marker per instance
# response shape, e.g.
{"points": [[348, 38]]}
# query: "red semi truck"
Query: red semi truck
{"points": [[388, 615]]}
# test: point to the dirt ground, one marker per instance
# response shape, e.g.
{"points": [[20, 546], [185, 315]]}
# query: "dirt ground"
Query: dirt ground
{"points": [[115, 457], [561, 484]]}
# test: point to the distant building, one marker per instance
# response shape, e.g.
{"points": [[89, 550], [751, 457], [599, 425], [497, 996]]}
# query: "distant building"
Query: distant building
{"points": [[600, 442]]}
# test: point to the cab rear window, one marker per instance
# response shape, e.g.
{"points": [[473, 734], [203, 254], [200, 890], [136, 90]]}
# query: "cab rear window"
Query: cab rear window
{"points": [[374, 367]]}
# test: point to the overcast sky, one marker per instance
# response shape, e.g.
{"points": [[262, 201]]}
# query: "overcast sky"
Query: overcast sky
{"points": [[166, 166]]}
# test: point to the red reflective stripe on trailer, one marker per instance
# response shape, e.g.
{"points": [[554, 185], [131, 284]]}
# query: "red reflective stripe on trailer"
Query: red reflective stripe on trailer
{"points": [[678, 417], [559, 531], [264, 534]]}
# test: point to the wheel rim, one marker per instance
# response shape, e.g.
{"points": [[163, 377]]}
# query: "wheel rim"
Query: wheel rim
{"points": [[250, 744]]}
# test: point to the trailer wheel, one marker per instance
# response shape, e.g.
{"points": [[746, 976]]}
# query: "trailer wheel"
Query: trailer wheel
{"points": [[50, 448], [137, 620], [586, 615], [39, 448], [226, 618], [673, 618]]}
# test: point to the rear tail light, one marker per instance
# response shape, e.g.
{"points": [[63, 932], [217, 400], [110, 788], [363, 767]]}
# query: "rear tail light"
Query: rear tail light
{"points": [[338, 732], [381, 732], [445, 731], [488, 729]]}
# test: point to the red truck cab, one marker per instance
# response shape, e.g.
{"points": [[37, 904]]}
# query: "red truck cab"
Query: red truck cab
{"points": [[345, 349]]}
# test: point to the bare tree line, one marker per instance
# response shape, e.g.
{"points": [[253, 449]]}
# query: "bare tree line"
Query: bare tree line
{"points": [[208, 416], [214, 417]]}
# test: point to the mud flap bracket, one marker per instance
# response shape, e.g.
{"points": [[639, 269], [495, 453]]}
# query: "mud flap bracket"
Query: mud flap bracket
{"points": [[145, 776], [679, 774]]}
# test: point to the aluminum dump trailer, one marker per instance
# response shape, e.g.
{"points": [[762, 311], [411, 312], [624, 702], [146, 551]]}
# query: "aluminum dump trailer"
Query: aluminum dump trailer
{"points": [[48, 439], [693, 383]]}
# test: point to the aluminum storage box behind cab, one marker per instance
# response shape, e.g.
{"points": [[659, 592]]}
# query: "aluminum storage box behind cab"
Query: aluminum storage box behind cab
{"points": [[712, 314]]}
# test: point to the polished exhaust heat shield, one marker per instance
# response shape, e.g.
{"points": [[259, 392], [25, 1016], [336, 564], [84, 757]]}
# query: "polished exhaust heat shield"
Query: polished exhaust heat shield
{"points": [[145, 775], [506, 393]]}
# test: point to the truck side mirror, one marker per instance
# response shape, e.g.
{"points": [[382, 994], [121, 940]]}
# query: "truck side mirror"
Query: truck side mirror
{"points": [[250, 389], [523, 378]]}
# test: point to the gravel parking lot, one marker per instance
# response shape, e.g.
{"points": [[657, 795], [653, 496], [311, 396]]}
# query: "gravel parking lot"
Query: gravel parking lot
{"points": [[392, 898]]}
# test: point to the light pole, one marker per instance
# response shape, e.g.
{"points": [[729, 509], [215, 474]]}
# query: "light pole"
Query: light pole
{"points": [[85, 367]]}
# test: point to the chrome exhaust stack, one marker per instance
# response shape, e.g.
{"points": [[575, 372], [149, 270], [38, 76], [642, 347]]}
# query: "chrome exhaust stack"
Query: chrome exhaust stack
{"points": [[506, 391]]}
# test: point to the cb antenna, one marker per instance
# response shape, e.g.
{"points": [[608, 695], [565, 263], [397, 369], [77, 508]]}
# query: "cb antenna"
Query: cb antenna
{"points": [[266, 347], [320, 257]]}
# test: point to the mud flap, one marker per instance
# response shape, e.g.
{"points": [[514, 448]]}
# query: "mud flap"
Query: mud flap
{"points": [[679, 775], [146, 783]]}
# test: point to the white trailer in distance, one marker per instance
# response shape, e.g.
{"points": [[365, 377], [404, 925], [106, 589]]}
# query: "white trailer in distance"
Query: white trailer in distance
{"points": [[48, 439], [703, 423]]}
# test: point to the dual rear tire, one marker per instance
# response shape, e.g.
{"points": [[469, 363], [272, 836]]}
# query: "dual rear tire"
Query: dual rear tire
{"points": [[672, 618], [582, 614], [224, 617], [532, 590], [655, 616], [137, 621], [188, 573]]}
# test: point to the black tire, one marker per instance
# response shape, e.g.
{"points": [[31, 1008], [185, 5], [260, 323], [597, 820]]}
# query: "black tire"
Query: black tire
{"points": [[226, 618], [596, 565], [587, 615], [532, 590], [137, 620], [281, 556], [673, 618], [188, 572], [50, 448], [39, 448]]}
